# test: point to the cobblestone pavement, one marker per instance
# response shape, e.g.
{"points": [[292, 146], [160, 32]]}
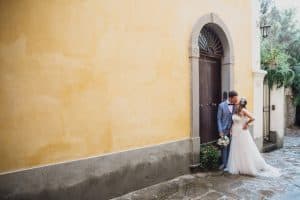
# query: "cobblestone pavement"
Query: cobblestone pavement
{"points": [[219, 185]]}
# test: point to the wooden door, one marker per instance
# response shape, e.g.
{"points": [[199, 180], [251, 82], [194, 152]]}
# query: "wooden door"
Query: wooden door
{"points": [[210, 97]]}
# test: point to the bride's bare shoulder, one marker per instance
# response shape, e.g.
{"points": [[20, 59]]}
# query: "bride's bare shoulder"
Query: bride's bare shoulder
{"points": [[247, 113], [244, 110]]}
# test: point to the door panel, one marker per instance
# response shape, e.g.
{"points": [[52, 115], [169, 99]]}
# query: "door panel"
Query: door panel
{"points": [[210, 97]]}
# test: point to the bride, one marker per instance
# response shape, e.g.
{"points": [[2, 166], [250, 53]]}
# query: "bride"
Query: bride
{"points": [[244, 157]]}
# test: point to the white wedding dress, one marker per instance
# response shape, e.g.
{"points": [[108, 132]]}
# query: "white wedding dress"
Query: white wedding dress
{"points": [[244, 157]]}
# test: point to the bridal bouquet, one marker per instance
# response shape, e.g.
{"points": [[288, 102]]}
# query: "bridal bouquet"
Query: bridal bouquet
{"points": [[223, 141]]}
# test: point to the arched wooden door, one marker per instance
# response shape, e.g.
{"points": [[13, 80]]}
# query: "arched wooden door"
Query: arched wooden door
{"points": [[210, 93]]}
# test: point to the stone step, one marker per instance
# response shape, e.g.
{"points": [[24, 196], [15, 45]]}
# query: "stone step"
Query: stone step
{"points": [[267, 147]]}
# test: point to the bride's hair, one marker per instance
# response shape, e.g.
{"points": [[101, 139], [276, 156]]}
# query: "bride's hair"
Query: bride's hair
{"points": [[241, 105]]}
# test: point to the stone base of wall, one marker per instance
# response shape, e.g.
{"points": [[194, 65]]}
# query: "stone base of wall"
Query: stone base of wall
{"points": [[290, 113], [100, 177]]}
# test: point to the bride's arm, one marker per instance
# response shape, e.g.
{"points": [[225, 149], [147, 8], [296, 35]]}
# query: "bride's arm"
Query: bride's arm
{"points": [[249, 115]]}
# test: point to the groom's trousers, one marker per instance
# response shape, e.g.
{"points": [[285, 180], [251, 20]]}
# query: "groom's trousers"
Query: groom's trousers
{"points": [[225, 150]]}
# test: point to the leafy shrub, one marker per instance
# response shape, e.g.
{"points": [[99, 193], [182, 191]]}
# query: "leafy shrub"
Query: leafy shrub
{"points": [[296, 86], [209, 157], [280, 76]]}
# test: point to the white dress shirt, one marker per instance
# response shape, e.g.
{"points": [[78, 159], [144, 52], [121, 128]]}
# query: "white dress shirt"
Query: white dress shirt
{"points": [[230, 106]]}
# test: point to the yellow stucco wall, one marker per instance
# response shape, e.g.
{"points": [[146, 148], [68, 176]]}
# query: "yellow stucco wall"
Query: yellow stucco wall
{"points": [[83, 78]]}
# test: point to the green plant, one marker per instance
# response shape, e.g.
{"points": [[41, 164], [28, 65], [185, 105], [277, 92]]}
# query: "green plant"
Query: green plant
{"points": [[296, 86], [281, 49], [280, 76], [209, 157]]}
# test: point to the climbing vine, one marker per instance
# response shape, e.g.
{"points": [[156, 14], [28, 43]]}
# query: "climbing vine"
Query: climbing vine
{"points": [[280, 77], [280, 51]]}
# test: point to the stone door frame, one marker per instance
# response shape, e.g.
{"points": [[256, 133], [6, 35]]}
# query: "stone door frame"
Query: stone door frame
{"points": [[227, 66]]}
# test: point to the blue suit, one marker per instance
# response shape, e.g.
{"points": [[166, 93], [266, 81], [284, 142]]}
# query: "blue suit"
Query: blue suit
{"points": [[224, 119]]}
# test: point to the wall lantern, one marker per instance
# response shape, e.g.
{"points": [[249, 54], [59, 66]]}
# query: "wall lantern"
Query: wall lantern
{"points": [[265, 29]]}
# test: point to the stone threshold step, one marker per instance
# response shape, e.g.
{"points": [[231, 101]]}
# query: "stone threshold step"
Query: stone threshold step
{"points": [[267, 147]]}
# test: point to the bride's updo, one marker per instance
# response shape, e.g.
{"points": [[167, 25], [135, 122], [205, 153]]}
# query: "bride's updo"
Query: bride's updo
{"points": [[242, 104]]}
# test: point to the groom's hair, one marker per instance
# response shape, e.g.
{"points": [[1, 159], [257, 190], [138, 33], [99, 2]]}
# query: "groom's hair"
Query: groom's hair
{"points": [[232, 93]]}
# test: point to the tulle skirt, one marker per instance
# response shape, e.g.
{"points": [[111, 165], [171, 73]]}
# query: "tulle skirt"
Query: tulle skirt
{"points": [[244, 157]]}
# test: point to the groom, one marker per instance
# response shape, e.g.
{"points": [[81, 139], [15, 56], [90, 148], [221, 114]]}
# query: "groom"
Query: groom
{"points": [[224, 118]]}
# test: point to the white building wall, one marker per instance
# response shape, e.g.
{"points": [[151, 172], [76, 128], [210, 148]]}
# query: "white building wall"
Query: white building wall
{"points": [[258, 77], [277, 113]]}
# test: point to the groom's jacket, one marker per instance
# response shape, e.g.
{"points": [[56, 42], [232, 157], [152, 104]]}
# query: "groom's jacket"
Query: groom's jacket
{"points": [[224, 117]]}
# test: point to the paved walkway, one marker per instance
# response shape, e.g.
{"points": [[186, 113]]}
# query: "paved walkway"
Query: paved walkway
{"points": [[219, 185]]}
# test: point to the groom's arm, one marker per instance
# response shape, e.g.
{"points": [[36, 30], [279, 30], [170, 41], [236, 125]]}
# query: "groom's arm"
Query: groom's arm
{"points": [[219, 117]]}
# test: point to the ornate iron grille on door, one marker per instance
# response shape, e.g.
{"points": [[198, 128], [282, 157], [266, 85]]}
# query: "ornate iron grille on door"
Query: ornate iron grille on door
{"points": [[209, 43]]}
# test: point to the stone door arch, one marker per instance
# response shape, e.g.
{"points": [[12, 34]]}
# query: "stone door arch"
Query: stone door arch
{"points": [[227, 64]]}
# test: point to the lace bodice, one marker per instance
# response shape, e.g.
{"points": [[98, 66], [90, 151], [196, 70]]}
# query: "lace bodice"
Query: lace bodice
{"points": [[239, 120]]}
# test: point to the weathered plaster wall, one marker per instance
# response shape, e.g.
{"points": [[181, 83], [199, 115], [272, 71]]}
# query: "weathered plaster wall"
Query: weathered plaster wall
{"points": [[85, 78]]}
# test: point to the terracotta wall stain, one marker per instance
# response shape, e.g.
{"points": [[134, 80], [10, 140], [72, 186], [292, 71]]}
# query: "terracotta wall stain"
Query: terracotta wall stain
{"points": [[85, 78]]}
